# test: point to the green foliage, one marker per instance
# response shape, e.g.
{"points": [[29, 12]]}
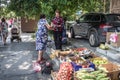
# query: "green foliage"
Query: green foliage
{"points": [[4, 12], [32, 8]]}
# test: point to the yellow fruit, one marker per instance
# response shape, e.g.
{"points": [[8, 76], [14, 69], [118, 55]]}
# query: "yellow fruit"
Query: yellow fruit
{"points": [[102, 46]]}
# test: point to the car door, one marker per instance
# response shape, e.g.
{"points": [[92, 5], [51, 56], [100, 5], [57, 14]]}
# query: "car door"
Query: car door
{"points": [[85, 25], [78, 25]]}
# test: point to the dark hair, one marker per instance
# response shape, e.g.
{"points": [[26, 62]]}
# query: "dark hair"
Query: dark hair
{"points": [[42, 16], [3, 19], [57, 11]]}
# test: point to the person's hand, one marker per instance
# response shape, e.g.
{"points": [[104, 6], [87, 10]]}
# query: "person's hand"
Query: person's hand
{"points": [[51, 28], [59, 25]]}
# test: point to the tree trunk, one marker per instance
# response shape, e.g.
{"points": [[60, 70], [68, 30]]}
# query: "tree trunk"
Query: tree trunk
{"points": [[104, 6], [111, 6]]}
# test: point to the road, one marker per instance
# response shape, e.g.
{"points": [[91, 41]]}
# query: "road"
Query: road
{"points": [[16, 58], [81, 42]]}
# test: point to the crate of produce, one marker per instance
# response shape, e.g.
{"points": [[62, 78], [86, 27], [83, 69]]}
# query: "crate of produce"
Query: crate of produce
{"points": [[99, 61], [112, 70], [84, 74], [54, 75]]}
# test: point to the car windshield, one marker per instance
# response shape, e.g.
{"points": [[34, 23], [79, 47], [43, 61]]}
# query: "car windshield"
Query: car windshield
{"points": [[113, 17]]}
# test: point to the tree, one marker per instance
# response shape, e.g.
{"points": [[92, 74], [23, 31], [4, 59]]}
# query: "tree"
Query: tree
{"points": [[4, 11], [32, 8]]}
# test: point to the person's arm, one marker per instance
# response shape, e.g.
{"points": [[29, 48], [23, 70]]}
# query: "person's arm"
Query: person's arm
{"points": [[49, 27], [7, 24], [52, 25], [0, 27]]}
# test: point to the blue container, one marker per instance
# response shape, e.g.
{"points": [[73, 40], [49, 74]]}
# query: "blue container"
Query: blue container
{"points": [[92, 65], [77, 67]]}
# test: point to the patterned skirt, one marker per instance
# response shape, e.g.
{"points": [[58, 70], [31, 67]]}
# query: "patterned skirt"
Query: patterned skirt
{"points": [[41, 42]]}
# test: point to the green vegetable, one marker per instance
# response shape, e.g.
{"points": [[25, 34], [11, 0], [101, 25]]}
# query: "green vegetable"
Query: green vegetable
{"points": [[104, 79], [99, 78], [88, 79], [88, 76], [102, 74], [96, 72]]}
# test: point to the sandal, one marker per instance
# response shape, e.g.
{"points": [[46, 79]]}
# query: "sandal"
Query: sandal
{"points": [[41, 61]]}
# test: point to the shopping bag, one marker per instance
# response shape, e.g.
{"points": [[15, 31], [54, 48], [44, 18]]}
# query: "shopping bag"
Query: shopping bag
{"points": [[113, 37], [36, 67]]}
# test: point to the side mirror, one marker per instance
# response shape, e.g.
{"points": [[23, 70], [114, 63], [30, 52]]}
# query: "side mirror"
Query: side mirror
{"points": [[78, 21]]}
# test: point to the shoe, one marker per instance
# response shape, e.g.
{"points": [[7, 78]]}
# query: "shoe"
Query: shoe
{"points": [[41, 61]]}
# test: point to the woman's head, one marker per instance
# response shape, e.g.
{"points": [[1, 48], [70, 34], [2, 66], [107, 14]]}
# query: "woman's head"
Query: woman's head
{"points": [[57, 13], [3, 19], [42, 16]]}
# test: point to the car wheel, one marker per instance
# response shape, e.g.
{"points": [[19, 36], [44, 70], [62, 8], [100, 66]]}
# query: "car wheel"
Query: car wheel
{"points": [[93, 40], [72, 33], [119, 76]]}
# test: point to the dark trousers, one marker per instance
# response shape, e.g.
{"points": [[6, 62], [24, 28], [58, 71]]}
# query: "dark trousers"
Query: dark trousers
{"points": [[58, 39]]}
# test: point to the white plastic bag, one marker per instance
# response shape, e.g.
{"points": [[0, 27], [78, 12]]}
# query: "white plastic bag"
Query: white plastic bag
{"points": [[36, 67], [113, 37]]}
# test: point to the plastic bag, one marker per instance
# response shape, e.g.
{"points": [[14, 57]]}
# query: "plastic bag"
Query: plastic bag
{"points": [[36, 67], [113, 37]]}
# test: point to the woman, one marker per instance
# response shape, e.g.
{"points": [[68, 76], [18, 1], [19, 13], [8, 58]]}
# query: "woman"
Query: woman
{"points": [[4, 30], [57, 23], [42, 37]]}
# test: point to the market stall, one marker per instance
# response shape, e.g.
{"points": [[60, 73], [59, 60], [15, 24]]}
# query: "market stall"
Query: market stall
{"points": [[83, 64]]}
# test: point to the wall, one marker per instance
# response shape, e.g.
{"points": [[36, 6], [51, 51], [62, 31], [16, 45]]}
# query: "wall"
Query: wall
{"points": [[28, 25]]}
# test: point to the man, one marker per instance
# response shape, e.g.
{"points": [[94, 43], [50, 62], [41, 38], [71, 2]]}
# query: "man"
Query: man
{"points": [[57, 23]]}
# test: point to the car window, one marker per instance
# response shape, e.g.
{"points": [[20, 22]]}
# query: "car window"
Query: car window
{"points": [[113, 18], [81, 19], [96, 18], [85, 18], [103, 18]]}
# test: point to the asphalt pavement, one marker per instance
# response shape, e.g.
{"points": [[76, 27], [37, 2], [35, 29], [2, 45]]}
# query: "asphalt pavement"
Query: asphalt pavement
{"points": [[16, 58]]}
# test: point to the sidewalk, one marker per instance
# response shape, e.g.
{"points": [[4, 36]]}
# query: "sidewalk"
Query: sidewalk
{"points": [[113, 54]]}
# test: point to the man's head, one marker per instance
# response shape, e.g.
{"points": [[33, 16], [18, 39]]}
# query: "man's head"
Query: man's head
{"points": [[57, 13]]}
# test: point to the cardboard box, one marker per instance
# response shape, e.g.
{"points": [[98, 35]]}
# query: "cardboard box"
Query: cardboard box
{"points": [[116, 44], [54, 75], [113, 71]]}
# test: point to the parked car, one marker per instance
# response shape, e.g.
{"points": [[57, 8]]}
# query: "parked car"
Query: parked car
{"points": [[94, 27]]}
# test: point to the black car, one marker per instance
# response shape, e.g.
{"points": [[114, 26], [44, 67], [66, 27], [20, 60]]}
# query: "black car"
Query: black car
{"points": [[94, 27]]}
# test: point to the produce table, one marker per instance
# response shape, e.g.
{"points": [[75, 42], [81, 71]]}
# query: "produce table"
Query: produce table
{"points": [[83, 64]]}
